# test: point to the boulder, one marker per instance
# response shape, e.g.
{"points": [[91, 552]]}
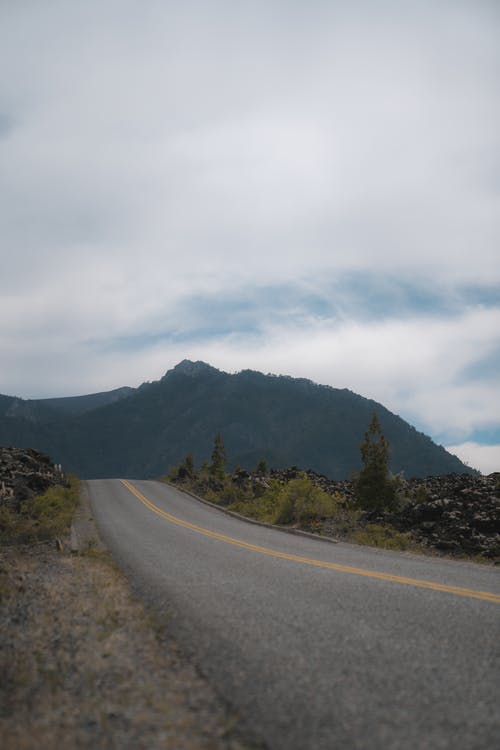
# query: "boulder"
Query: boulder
{"points": [[24, 473]]}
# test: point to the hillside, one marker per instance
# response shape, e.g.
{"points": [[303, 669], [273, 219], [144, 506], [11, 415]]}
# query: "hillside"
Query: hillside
{"points": [[285, 420], [75, 405]]}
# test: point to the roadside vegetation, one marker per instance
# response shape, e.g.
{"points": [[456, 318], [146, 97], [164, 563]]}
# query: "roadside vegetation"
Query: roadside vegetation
{"points": [[297, 502], [84, 664], [42, 517]]}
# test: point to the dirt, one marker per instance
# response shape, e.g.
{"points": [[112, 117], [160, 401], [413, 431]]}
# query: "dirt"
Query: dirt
{"points": [[84, 665]]}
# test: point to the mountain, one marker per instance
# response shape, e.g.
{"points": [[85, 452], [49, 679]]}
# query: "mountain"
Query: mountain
{"points": [[287, 421], [74, 405]]}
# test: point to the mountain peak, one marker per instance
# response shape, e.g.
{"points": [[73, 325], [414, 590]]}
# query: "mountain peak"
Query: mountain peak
{"points": [[190, 368]]}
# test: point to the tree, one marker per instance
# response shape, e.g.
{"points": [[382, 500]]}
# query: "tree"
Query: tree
{"points": [[218, 465], [375, 489], [262, 468], [186, 469]]}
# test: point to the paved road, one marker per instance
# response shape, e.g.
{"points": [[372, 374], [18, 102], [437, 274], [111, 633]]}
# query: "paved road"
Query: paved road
{"points": [[313, 655]]}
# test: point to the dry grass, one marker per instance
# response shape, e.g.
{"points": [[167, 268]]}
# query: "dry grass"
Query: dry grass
{"points": [[42, 517], [82, 666]]}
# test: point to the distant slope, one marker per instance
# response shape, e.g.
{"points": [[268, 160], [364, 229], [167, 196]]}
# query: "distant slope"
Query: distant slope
{"points": [[74, 405], [24, 424], [287, 421]]}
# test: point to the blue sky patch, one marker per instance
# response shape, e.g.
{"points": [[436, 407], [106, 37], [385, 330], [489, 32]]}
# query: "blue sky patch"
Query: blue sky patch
{"points": [[354, 296], [487, 368]]}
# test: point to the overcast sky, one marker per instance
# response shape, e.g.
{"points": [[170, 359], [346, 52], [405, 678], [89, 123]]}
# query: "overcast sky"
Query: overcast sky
{"points": [[308, 188]]}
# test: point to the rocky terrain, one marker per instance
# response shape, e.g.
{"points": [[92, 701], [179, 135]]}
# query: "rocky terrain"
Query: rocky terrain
{"points": [[454, 513], [25, 473]]}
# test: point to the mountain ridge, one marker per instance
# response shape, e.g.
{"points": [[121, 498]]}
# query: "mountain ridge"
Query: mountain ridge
{"points": [[286, 421]]}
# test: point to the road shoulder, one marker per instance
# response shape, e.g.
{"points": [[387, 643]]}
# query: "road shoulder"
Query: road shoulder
{"points": [[84, 664]]}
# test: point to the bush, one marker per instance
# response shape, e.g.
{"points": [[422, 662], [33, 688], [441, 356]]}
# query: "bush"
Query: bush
{"points": [[183, 471], [381, 535], [344, 521], [300, 500], [421, 495], [172, 474], [43, 517], [262, 508]]}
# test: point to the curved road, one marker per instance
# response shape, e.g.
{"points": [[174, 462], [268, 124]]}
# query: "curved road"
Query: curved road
{"points": [[318, 646]]}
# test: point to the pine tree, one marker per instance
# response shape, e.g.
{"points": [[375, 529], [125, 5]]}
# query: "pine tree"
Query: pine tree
{"points": [[218, 465], [375, 490], [185, 470]]}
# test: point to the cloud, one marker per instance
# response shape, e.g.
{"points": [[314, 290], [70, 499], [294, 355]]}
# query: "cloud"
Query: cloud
{"points": [[486, 458], [372, 147], [412, 366], [310, 189]]}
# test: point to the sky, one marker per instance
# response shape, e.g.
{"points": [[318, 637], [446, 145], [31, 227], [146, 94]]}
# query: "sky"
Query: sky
{"points": [[308, 189]]}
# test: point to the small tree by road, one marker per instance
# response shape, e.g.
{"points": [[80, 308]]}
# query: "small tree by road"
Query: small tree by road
{"points": [[375, 489], [218, 465]]}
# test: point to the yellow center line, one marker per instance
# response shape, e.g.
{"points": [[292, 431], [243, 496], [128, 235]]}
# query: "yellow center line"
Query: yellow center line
{"points": [[457, 590]]}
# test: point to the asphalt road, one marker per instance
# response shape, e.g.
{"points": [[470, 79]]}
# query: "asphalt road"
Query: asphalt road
{"points": [[317, 645]]}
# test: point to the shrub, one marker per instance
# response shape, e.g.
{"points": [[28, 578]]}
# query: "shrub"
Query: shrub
{"points": [[42, 517], [421, 495], [385, 536], [344, 521], [300, 500], [173, 473], [262, 507]]}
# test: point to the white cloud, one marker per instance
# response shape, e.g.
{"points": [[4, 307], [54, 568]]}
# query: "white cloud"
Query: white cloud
{"points": [[155, 153], [204, 137], [413, 367], [486, 458]]}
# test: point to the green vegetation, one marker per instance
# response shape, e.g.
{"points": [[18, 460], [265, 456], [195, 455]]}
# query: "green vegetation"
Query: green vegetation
{"points": [[375, 488], [45, 516], [218, 465], [421, 495], [284, 420], [185, 470], [385, 536], [299, 502]]}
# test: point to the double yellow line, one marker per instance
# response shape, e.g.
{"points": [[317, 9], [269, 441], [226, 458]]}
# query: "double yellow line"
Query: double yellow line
{"points": [[458, 591]]}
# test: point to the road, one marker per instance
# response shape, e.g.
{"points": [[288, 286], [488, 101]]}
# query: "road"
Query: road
{"points": [[318, 646]]}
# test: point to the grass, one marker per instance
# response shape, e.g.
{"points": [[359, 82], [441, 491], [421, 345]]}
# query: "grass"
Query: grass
{"points": [[40, 518], [384, 536]]}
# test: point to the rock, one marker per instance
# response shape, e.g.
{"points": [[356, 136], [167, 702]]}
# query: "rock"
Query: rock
{"points": [[25, 473], [465, 510], [459, 513]]}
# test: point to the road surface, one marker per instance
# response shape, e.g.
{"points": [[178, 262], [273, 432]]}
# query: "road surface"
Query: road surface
{"points": [[318, 646]]}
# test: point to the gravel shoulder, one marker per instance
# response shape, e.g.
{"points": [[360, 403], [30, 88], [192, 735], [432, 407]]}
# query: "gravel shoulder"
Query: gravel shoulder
{"points": [[85, 665]]}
